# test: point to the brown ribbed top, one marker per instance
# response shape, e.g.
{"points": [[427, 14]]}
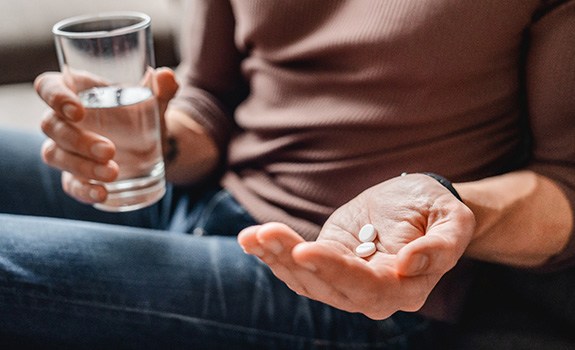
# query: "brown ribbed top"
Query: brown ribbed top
{"points": [[314, 101]]}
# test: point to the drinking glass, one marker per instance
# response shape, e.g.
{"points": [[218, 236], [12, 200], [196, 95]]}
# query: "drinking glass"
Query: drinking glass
{"points": [[108, 60]]}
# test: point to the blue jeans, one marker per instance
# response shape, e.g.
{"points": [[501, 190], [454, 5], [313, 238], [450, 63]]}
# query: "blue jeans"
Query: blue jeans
{"points": [[168, 276]]}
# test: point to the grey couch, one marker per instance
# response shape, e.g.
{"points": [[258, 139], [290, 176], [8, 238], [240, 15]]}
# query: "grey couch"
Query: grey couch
{"points": [[508, 309], [27, 47]]}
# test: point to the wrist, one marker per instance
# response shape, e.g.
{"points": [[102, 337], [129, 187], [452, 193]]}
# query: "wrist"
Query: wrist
{"points": [[190, 153], [521, 218], [444, 182]]}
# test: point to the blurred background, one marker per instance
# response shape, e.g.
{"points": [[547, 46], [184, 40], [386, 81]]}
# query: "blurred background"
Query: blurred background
{"points": [[27, 46]]}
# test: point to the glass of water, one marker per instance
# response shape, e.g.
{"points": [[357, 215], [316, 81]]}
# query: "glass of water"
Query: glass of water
{"points": [[108, 60]]}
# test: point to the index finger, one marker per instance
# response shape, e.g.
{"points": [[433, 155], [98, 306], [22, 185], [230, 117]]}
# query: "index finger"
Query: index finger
{"points": [[52, 88], [369, 288]]}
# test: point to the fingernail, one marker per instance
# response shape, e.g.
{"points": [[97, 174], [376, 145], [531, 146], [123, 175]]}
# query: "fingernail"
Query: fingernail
{"points": [[94, 194], [100, 150], [275, 246], [419, 263], [70, 111], [102, 171]]}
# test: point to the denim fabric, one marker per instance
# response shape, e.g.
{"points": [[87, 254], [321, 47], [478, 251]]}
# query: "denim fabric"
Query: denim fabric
{"points": [[169, 276]]}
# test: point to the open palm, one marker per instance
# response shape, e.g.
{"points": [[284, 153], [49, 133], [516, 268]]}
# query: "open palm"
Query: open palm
{"points": [[422, 232]]}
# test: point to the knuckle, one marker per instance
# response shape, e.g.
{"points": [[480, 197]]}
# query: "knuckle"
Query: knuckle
{"points": [[75, 188], [414, 306], [47, 122], [378, 313], [55, 99], [82, 168], [40, 80], [58, 129], [49, 151], [66, 180], [51, 88]]}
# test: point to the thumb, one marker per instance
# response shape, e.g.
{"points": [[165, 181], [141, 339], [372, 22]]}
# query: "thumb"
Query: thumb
{"points": [[430, 254], [165, 87]]}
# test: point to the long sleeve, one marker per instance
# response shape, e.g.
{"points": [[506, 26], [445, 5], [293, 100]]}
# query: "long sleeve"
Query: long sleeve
{"points": [[211, 79], [550, 84]]}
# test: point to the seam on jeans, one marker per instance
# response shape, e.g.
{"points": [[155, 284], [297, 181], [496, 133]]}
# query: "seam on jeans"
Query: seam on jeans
{"points": [[242, 329], [8, 265]]}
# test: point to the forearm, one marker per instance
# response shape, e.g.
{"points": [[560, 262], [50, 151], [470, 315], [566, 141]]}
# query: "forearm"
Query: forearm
{"points": [[193, 154], [522, 218]]}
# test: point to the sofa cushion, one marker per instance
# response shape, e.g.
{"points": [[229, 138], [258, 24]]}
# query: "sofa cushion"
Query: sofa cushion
{"points": [[26, 42]]}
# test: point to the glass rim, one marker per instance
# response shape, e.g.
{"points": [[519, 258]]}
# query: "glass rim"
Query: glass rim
{"points": [[143, 21]]}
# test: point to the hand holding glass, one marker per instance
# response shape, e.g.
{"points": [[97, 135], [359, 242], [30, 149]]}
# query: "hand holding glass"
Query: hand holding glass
{"points": [[108, 61]]}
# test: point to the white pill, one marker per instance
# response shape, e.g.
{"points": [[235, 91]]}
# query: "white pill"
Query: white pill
{"points": [[367, 233], [365, 249]]}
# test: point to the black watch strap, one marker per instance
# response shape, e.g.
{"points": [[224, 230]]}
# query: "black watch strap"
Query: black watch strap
{"points": [[446, 183]]}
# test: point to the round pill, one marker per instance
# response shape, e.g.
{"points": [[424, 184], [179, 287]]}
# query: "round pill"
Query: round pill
{"points": [[367, 233], [365, 249]]}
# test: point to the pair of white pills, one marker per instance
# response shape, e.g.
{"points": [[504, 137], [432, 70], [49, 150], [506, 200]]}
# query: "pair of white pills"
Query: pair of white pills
{"points": [[367, 235]]}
